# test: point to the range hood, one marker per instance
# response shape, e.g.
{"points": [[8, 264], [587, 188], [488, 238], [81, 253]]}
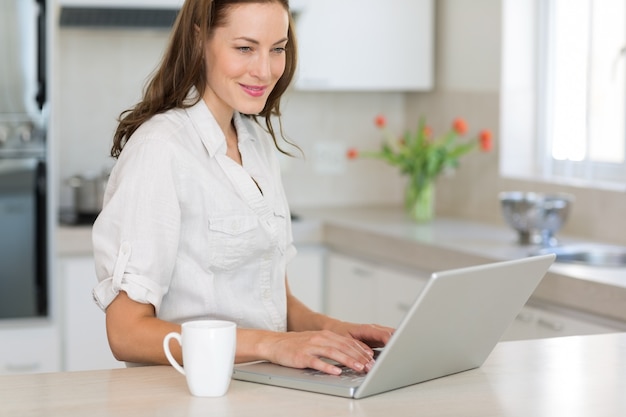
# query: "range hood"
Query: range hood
{"points": [[119, 13]]}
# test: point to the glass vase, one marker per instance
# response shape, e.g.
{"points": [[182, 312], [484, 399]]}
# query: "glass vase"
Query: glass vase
{"points": [[420, 200]]}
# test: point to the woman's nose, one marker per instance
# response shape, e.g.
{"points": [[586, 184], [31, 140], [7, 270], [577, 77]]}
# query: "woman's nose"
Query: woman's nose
{"points": [[261, 67]]}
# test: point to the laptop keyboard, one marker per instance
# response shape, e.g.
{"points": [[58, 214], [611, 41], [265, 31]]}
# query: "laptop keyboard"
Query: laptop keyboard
{"points": [[347, 374]]}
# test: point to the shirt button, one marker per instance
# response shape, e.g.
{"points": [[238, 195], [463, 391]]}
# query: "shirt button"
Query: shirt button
{"points": [[267, 294]]}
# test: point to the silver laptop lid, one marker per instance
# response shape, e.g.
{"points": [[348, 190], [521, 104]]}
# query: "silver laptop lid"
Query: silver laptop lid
{"points": [[455, 323]]}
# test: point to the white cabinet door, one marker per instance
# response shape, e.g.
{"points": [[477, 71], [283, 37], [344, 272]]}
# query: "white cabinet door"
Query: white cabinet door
{"points": [[350, 289], [84, 332], [364, 45], [363, 292], [536, 323], [397, 290], [306, 276], [29, 349]]}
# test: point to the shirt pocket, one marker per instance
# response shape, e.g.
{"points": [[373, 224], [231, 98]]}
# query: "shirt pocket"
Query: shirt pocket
{"points": [[234, 240]]}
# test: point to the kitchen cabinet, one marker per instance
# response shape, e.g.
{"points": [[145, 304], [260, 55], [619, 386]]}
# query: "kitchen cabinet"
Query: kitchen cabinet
{"points": [[350, 289], [536, 322], [366, 292], [84, 332], [306, 276], [29, 348], [364, 45]]}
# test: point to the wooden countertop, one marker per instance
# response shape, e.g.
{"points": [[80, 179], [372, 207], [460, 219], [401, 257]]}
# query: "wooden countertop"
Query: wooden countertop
{"points": [[568, 376]]}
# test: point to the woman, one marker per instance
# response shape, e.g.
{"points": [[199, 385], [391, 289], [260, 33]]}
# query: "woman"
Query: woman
{"points": [[195, 222]]}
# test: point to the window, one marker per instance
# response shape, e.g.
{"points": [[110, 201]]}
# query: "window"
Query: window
{"points": [[563, 92], [581, 93]]}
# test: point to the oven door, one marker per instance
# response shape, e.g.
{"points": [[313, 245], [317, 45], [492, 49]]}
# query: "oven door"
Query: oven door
{"points": [[23, 289]]}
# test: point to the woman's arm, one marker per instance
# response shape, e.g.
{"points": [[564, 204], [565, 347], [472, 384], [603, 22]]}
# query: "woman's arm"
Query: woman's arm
{"points": [[136, 335]]}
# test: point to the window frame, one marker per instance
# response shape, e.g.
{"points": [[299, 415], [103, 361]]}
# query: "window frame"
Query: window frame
{"points": [[525, 152]]}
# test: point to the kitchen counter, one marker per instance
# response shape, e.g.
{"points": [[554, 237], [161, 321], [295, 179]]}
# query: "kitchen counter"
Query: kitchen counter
{"points": [[572, 376], [387, 235]]}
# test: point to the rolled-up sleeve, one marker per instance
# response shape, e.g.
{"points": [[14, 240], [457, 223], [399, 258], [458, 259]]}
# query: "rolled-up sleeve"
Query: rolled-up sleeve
{"points": [[136, 236]]}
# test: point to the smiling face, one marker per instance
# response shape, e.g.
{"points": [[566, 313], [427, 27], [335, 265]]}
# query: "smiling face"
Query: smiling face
{"points": [[244, 58]]}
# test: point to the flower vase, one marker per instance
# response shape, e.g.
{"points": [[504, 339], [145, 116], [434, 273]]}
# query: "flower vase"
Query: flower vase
{"points": [[420, 201]]}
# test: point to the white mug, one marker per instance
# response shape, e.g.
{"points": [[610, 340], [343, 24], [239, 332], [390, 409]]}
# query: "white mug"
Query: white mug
{"points": [[208, 355]]}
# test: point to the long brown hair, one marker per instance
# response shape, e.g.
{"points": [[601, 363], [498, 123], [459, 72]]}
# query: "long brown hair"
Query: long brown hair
{"points": [[182, 68]]}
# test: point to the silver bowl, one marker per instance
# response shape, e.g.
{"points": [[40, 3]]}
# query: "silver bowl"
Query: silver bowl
{"points": [[536, 216]]}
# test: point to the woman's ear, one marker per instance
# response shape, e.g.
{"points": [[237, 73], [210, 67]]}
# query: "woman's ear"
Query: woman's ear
{"points": [[199, 37]]}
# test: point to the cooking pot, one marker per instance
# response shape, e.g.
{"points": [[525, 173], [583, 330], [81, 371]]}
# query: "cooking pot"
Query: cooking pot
{"points": [[88, 192]]}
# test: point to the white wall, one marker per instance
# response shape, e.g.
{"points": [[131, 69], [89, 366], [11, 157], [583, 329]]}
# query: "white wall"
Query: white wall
{"points": [[468, 45]]}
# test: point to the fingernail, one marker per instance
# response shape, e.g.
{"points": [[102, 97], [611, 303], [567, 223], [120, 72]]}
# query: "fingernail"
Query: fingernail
{"points": [[370, 365], [359, 366]]}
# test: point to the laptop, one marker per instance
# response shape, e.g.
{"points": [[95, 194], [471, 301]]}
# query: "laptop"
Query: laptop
{"points": [[452, 326]]}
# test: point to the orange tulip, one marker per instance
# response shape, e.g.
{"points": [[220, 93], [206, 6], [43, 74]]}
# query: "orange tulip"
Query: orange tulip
{"points": [[380, 121], [485, 140], [352, 153], [459, 126]]}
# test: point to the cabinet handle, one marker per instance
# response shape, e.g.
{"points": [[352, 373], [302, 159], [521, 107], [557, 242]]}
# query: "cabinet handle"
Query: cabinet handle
{"points": [[362, 272], [22, 367], [553, 325], [524, 316]]}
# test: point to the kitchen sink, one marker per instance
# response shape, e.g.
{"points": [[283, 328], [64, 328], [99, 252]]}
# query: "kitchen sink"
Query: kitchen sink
{"points": [[589, 254]]}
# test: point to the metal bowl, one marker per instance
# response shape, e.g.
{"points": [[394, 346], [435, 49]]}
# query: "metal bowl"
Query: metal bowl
{"points": [[535, 216]]}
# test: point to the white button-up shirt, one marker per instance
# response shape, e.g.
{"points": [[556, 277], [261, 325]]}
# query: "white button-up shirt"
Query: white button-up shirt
{"points": [[187, 229]]}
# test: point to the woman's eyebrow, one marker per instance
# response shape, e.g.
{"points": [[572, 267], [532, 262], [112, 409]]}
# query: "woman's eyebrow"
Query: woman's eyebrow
{"points": [[254, 41]]}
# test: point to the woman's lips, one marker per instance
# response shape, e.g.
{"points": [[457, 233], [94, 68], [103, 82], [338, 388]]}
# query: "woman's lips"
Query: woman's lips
{"points": [[254, 91]]}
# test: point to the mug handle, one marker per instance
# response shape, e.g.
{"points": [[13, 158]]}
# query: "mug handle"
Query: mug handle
{"points": [[168, 354]]}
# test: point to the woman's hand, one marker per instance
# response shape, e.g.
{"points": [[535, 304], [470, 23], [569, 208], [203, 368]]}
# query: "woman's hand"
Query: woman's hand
{"points": [[348, 344], [372, 335], [313, 336], [306, 349]]}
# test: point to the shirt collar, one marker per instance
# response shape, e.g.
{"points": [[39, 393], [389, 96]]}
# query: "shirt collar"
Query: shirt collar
{"points": [[209, 130]]}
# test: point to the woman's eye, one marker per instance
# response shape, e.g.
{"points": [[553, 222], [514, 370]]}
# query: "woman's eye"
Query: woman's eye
{"points": [[244, 49], [280, 50]]}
